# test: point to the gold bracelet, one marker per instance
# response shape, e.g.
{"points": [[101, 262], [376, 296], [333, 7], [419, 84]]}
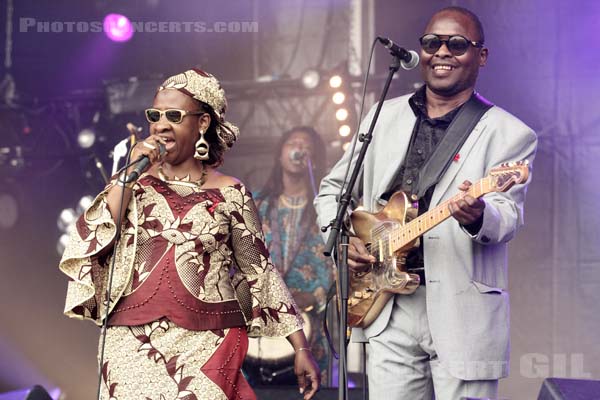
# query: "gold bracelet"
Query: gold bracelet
{"points": [[304, 348]]}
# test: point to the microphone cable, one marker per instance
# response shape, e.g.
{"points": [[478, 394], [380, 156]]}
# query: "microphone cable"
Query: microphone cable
{"points": [[111, 271]]}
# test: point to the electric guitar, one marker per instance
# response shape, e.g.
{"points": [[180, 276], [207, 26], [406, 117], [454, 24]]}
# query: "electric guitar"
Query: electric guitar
{"points": [[392, 232]]}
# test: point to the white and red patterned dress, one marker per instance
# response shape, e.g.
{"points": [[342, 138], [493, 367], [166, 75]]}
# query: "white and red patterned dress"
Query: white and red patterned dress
{"points": [[192, 279]]}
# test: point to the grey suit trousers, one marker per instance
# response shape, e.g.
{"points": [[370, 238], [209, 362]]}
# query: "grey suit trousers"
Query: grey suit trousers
{"points": [[402, 362]]}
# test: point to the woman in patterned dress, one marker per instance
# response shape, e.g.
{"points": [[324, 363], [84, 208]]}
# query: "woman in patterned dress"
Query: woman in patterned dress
{"points": [[192, 275], [291, 232]]}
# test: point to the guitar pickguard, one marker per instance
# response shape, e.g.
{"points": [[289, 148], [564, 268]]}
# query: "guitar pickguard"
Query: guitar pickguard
{"points": [[370, 290]]}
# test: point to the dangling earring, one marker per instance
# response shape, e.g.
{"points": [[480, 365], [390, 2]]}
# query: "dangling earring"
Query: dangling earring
{"points": [[202, 147]]}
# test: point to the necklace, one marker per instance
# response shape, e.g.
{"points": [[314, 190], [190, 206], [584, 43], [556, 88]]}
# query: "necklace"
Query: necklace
{"points": [[293, 202], [185, 181]]}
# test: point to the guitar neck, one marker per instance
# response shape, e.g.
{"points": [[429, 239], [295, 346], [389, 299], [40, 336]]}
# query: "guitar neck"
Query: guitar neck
{"points": [[410, 231]]}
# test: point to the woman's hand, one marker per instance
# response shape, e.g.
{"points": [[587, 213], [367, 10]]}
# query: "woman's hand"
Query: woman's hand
{"points": [[150, 147], [307, 372], [305, 367]]}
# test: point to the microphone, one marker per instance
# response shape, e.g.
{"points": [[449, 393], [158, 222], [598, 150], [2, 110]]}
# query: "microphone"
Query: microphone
{"points": [[409, 59], [297, 156], [142, 164]]}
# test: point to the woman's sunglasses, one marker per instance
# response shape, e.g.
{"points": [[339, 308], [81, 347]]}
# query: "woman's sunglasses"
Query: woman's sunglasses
{"points": [[173, 115], [456, 44]]}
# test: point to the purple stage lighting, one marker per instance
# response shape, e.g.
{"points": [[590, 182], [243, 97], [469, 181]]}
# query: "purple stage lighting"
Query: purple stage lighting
{"points": [[118, 27]]}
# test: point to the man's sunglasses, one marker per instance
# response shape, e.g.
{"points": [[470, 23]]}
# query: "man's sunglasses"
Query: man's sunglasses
{"points": [[456, 44], [173, 115]]}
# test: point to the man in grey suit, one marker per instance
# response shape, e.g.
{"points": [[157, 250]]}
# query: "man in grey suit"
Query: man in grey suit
{"points": [[449, 339]]}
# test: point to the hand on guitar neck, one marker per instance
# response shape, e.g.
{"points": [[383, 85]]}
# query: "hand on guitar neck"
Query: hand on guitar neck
{"points": [[467, 210], [388, 235]]}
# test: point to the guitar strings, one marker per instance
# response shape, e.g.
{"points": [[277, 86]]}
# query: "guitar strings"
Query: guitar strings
{"points": [[383, 235]]}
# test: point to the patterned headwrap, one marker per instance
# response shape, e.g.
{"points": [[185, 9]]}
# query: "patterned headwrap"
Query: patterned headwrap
{"points": [[206, 88]]}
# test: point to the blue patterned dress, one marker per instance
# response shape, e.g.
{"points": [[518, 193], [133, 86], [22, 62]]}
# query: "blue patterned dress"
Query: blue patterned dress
{"points": [[296, 247]]}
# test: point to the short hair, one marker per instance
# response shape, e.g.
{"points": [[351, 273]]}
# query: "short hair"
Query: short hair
{"points": [[469, 14]]}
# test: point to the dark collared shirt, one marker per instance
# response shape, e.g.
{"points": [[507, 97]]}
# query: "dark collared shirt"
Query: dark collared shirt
{"points": [[427, 133]]}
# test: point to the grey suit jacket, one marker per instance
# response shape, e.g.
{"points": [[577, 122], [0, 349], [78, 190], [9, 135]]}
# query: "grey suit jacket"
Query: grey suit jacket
{"points": [[467, 295]]}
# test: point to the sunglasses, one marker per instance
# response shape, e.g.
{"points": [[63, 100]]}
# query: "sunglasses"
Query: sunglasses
{"points": [[456, 44], [173, 115]]}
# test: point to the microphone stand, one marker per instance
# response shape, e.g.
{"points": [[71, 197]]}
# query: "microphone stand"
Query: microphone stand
{"points": [[339, 230]]}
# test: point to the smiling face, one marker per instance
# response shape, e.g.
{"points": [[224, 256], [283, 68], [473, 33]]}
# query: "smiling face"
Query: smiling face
{"points": [[180, 138], [445, 74]]}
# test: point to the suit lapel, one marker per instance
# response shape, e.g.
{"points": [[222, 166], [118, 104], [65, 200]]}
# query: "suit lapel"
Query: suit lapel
{"points": [[444, 184]]}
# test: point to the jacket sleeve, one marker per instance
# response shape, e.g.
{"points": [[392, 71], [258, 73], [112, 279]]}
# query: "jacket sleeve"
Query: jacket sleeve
{"points": [[503, 214], [273, 312]]}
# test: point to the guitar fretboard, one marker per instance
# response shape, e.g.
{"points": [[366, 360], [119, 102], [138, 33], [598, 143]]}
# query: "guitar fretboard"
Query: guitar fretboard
{"points": [[408, 232]]}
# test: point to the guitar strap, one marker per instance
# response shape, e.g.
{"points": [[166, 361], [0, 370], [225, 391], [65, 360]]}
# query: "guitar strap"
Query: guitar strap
{"points": [[456, 134]]}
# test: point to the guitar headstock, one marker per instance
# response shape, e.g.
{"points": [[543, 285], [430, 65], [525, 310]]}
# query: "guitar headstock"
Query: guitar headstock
{"points": [[507, 175]]}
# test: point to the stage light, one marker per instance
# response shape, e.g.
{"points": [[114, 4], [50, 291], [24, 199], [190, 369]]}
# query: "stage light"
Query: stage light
{"points": [[86, 138], [62, 243], [335, 81], [310, 79], [341, 114], [338, 97], [66, 219], [344, 131], [84, 203], [118, 28], [345, 146]]}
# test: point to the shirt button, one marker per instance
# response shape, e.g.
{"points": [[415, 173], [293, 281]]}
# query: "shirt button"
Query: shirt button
{"points": [[419, 151], [409, 181]]}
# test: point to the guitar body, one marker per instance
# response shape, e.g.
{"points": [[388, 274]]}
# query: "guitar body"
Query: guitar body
{"points": [[369, 291], [391, 233]]}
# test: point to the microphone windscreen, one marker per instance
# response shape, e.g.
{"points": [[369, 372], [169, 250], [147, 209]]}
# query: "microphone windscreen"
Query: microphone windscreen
{"points": [[414, 61]]}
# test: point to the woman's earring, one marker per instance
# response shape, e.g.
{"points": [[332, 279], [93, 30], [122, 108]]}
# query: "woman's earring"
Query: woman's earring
{"points": [[201, 148]]}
